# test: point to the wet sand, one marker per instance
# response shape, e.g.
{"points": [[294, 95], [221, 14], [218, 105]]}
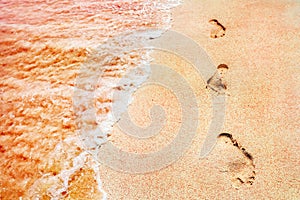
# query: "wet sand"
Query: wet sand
{"points": [[260, 46], [43, 47]]}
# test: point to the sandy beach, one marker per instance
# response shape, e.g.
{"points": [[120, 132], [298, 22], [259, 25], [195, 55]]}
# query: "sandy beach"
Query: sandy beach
{"points": [[260, 47], [256, 157]]}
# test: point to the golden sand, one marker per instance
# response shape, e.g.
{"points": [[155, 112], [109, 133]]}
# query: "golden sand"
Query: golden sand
{"points": [[261, 48]]}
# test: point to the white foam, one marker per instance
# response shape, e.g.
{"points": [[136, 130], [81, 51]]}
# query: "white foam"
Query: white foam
{"points": [[133, 74]]}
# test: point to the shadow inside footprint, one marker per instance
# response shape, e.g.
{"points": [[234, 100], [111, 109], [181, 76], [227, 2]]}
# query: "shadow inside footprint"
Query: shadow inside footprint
{"points": [[240, 166], [218, 29]]}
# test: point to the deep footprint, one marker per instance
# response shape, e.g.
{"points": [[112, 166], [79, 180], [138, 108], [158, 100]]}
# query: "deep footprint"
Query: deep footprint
{"points": [[218, 30], [241, 168]]}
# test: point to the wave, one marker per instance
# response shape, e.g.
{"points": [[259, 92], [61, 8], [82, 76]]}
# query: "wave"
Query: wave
{"points": [[46, 45]]}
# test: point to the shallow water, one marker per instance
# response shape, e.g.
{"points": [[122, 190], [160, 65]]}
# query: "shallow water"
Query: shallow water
{"points": [[44, 46]]}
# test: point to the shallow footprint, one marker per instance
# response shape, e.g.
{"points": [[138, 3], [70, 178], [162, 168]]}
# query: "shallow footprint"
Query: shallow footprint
{"points": [[239, 166], [218, 30]]}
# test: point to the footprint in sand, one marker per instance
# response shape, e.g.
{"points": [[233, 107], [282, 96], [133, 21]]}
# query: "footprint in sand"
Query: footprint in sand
{"points": [[240, 166], [217, 84], [218, 29]]}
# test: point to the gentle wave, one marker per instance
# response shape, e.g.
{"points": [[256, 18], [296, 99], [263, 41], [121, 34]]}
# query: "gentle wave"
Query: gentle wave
{"points": [[44, 45]]}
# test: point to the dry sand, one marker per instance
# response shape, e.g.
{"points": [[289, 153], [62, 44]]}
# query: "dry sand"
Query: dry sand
{"points": [[261, 48]]}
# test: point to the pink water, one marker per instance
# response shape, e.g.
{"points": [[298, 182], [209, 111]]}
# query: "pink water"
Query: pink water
{"points": [[43, 47]]}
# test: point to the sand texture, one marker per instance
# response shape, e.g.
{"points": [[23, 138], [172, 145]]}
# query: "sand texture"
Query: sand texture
{"points": [[261, 48], [255, 157]]}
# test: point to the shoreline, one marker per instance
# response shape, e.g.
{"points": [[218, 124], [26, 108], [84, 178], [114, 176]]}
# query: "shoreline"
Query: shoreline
{"points": [[257, 154], [42, 53]]}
